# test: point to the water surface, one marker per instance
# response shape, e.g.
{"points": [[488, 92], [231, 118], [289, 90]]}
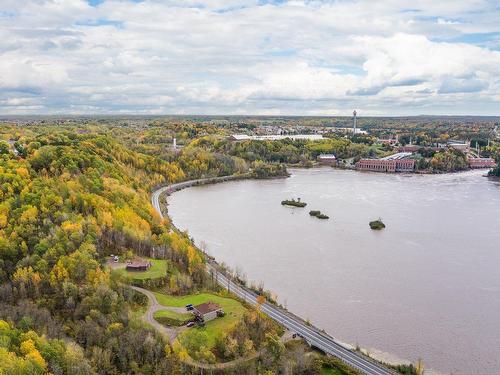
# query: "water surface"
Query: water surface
{"points": [[427, 286]]}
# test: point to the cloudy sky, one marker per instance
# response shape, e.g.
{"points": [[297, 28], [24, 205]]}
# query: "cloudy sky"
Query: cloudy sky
{"points": [[392, 57]]}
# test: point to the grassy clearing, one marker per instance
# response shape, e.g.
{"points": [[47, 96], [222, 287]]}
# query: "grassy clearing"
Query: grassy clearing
{"points": [[234, 311], [157, 270], [172, 318]]}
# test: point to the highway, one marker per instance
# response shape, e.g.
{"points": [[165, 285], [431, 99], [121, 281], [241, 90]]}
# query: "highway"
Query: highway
{"points": [[309, 333]]}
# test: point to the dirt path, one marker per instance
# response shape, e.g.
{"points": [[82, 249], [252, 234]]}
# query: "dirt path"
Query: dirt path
{"points": [[170, 332]]}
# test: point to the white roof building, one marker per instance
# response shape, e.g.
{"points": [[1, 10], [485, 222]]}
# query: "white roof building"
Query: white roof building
{"points": [[245, 137]]}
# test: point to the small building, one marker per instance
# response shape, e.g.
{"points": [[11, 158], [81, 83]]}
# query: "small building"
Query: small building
{"points": [[459, 145], [417, 148], [390, 141], [207, 311], [481, 163], [327, 159], [138, 266], [409, 148]]}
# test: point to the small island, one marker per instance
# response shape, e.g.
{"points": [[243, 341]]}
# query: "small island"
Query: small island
{"points": [[319, 215], [377, 224], [293, 202]]}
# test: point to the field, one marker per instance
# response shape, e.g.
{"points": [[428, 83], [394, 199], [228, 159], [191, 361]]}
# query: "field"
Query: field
{"points": [[234, 311]]}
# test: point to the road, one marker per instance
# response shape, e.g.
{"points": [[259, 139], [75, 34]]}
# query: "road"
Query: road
{"points": [[311, 334], [148, 316]]}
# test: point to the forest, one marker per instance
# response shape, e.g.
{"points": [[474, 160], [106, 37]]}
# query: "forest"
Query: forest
{"points": [[70, 196]]}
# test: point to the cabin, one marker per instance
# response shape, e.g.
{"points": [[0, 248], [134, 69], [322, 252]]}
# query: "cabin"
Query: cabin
{"points": [[138, 266], [208, 311]]}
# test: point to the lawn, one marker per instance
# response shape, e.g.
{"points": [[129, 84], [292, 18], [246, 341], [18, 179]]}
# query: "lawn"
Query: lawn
{"points": [[158, 269], [172, 317], [234, 311]]}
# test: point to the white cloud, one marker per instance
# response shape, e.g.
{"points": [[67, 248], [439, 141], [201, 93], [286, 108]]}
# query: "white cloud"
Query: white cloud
{"points": [[245, 56]]}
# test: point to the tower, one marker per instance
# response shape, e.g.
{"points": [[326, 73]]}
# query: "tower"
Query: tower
{"points": [[354, 122], [174, 144]]}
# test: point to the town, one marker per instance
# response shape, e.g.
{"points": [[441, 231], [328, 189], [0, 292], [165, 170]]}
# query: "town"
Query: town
{"points": [[404, 153]]}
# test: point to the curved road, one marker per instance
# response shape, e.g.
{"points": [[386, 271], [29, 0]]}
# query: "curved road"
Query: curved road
{"points": [[311, 334], [148, 316]]}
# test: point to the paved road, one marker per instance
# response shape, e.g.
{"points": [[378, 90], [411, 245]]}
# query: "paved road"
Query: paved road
{"points": [[311, 334]]}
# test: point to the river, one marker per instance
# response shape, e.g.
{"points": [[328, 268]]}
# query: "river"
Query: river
{"points": [[427, 286]]}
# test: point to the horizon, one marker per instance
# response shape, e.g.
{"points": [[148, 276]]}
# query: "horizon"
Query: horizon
{"points": [[130, 115]]}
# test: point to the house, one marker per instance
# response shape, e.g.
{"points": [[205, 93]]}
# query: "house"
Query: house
{"points": [[208, 311], [390, 141], [138, 266]]}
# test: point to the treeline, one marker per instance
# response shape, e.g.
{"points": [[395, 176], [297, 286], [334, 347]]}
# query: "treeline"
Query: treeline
{"points": [[446, 160], [494, 151], [287, 151]]}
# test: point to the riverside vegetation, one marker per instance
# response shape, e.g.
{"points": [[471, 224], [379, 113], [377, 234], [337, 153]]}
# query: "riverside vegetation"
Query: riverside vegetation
{"points": [[294, 203], [318, 214], [377, 224]]}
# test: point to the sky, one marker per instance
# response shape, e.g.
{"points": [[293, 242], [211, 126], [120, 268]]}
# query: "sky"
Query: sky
{"points": [[153, 57]]}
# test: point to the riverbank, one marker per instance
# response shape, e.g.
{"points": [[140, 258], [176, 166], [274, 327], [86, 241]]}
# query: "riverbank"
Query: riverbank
{"points": [[317, 164], [314, 336], [357, 283]]}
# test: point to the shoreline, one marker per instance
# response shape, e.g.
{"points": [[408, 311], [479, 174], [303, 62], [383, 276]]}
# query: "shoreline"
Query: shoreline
{"points": [[373, 354], [422, 172]]}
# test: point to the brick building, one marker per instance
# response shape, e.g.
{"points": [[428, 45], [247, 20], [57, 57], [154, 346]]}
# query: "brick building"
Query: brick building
{"points": [[384, 165], [481, 163]]}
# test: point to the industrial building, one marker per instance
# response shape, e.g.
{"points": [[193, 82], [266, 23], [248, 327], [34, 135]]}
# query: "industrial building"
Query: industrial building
{"points": [[481, 163], [394, 163]]}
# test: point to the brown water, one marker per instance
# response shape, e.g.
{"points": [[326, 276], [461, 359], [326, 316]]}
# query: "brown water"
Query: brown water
{"points": [[427, 286]]}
